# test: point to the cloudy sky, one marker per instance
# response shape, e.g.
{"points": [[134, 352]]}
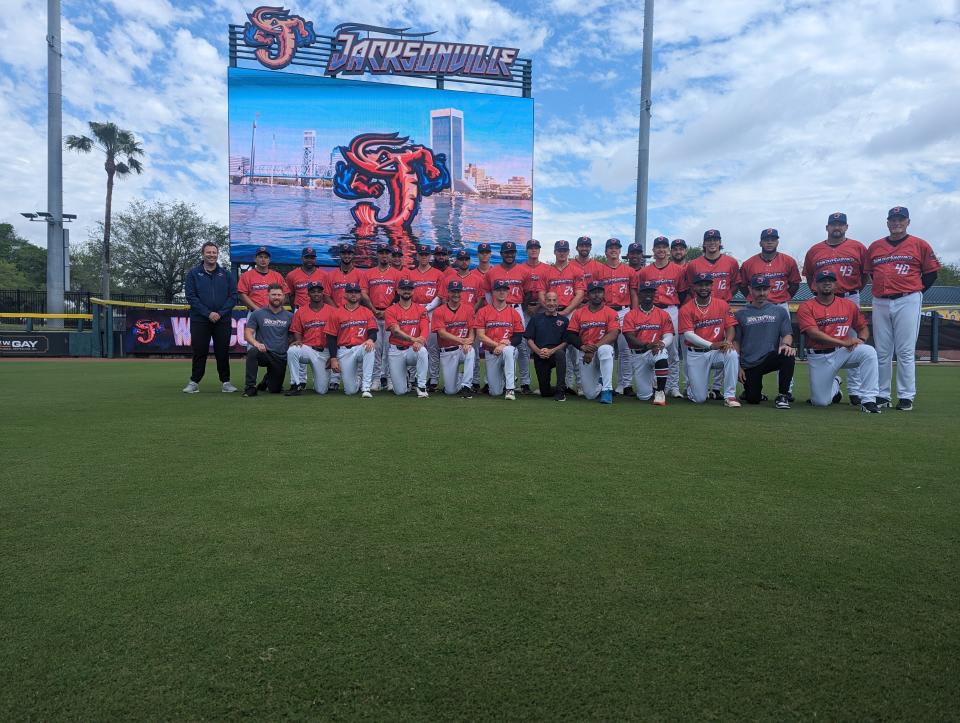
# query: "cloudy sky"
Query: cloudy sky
{"points": [[764, 113]]}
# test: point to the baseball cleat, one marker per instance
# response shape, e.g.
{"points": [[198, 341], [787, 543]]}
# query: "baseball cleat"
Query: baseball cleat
{"points": [[783, 402], [293, 391], [466, 393], [525, 389], [485, 389], [560, 397], [250, 392], [366, 394], [883, 402], [855, 400], [510, 396], [432, 387], [228, 388], [606, 397], [191, 388], [262, 386], [422, 393], [715, 394], [870, 408], [675, 394], [334, 387], [628, 392], [659, 399], [905, 405], [731, 402], [375, 387]]}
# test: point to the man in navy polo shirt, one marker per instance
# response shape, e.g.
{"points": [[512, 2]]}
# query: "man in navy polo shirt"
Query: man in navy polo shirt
{"points": [[212, 293], [546, 338]]}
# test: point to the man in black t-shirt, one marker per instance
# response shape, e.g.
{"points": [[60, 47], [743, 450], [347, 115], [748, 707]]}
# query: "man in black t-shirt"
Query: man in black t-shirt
{"points": [[545, 335]]}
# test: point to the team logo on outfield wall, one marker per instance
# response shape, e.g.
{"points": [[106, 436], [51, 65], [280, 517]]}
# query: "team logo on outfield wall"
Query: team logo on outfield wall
{"points": [[147, 330], [276, 34]]}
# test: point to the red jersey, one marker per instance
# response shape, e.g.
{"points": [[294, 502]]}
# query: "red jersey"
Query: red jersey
{"points": [[453, 322], [724, 270], [517, 277], [616, 283], [649, 326], [565, 283], [593, 325], [535, 280], [382, 286], [351, 327], [667, 280], [848, 260], [298, 279], [498, 325], [337, 281], [835, 319], [588, 271], [426, 284], [412, 322], [710, 323], [782, 271], [312, 325], [898, 269], [472, 286], [255, 285]]}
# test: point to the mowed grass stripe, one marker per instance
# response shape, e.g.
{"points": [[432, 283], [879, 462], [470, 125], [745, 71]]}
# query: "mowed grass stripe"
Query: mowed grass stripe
{"points": [[204, 556]]}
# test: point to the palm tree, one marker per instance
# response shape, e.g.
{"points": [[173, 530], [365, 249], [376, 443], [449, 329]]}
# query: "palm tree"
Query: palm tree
{"points": [[121, 149]]}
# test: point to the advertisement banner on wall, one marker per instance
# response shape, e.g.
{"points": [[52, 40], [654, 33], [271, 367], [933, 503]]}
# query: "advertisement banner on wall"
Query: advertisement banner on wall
{"points": [[167, 331], [318, 161]]}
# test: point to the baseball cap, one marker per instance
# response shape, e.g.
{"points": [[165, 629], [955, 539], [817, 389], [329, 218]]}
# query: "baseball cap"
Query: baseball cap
{"points": [[769, 233], [584, 241], [613, 243], [262, 250], [405, 284], [501, 284], [347, 249], [507, 246], [898, 211], [636, 248], [702, 278], [396, 251], [646, 286], [759, 281], [308, 251], [355, 288], [661, 241], [383, 248], [533, 244], [595, 285], [441, 250], [561, 245], [826, 274], [837, 217], [454, 286], [484, 248], [424, 249], [463, 254], [315, 285], [711, 233], [678, 242]]}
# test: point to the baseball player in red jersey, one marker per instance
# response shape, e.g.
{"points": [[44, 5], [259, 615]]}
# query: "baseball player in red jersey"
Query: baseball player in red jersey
{"points": [[409, 329], [616, 277], [517, 277], [678, 253], [310, 343], [253, 283], [301, 277], [382, 281], [635, 257], [778, 267], [593, 330], [666, 276], [441, 258], [355, 330], [707, 327], [453, 322], [484, 252], [903, 267], [649, 331], [426, 291], [836, 339], [500, 329], [472, 295], [346, 273], [396, 258]]}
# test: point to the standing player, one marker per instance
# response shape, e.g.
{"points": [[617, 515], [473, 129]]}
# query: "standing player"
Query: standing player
{"points": [[616, 277], [517, 278], [836, 336], [500, 329], [452, 321], [441, 259], [649, 331], [764, 341], [254, 283], [355, 330], [484, 252], [707, 326], [779, 268], [635, 258], [546, 338], [593, 330], [666, 275], [678, 252], [267, 337], [565, 279], [531, 292], [382, 281], [409, 328], [426, 291], [305, 274], [396, 258], [585, 264], [310, 343], [346, 274], [472, 295], [903, 267]]}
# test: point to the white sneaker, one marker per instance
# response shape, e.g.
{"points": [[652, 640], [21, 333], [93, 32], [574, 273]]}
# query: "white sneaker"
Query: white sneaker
{"points": [[422, 393], [675, 394], [367, 395], [618, 390], [510, 396], [193, 388], [389, 385], [227, 388], [731, 402], [659, 399]]}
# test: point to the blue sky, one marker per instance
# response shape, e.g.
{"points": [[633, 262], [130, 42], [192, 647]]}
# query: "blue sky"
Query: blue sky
{"points": [[764, 113]]}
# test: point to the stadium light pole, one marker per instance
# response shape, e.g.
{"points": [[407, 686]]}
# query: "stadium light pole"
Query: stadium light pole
{"points": [[55, 236], [643, 152]]}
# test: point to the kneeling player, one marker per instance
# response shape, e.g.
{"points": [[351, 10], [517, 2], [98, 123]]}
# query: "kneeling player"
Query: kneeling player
{"points": [[764, 340], [706, 324], [355, 331], [452, 321], [267, 337], [501, 329], [309, 345], [409, 328], [593, 330], [649, 333]]}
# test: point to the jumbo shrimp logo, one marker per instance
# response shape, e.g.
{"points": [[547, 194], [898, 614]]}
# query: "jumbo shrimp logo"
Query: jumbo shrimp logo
{"points": [[276, 34], [378, 161], [147, 330]]}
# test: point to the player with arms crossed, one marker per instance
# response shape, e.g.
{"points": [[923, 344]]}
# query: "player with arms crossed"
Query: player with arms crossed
{"points": [[903, 267], [310, 343], [707, 326], [355, 330], [452, 322], [593, 330], [501, 330], [409, 329], [764, 341], [836, 339], [649, 332]]}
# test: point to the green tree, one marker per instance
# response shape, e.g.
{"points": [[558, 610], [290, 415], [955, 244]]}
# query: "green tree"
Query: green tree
{"points": [[12, 278], [122, 151], [693, 252], [28, 260], [949, 275]]}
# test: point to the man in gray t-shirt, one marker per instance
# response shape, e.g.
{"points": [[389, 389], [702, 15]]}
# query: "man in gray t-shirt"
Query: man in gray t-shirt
{"points": [[764, 340], [267, 336]]}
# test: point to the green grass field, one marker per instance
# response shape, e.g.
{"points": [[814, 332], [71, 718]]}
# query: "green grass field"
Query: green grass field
{"points": [[166, 556]]}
